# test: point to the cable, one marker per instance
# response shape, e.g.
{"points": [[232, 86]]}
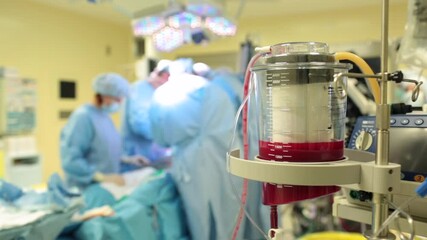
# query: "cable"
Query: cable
{"points": [[401, 108], [416, 108]]}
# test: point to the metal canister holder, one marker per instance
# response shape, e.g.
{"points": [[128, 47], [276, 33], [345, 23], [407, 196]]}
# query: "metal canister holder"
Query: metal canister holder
{"points": [[339, 84]]}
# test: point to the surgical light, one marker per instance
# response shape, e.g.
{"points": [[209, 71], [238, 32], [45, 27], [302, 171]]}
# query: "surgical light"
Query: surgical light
{"points": [[204, 10], [148, 25], [184, 23], [168, 38], [221, 26], [199, 36], [185, 19]]}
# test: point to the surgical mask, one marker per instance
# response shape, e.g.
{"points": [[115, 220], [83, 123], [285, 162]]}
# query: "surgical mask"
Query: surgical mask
{"points": [[112, 108]]}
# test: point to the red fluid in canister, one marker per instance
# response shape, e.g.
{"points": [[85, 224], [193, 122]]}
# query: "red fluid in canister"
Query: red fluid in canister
{"points": [[275, 194]]}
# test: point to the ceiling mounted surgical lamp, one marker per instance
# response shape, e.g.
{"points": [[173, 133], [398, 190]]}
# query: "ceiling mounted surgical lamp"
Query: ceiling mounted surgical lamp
{"points": [[168, 38], [180, 24], [148, 25]]}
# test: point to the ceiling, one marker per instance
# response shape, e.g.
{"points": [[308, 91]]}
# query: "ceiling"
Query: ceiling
{"points": [[121, 11]]}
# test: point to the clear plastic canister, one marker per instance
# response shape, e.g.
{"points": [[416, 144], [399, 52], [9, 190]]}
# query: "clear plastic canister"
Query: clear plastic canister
{"points": [[301, 118]]}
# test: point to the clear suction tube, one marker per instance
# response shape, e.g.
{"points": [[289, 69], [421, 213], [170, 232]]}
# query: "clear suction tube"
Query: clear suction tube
{"points": [[241, 199], [395, 215], [247, 89]]}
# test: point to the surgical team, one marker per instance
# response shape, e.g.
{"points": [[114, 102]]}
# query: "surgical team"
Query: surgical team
{"points": [[180, 119]]}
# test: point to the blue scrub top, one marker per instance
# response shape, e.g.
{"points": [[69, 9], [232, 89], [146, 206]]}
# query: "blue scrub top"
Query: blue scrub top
{"points": [[196, 118], [136, 129], [89, 143]]}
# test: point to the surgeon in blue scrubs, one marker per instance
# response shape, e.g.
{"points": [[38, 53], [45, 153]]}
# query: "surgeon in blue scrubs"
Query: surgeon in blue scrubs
{"points": [[230, 83], [139, 149], [90, 143], [195, 118]]}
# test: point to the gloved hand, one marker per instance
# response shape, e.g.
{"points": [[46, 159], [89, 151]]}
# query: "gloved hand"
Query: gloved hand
{"points": [[136, 160], [104, 211], [111, 178], [163, 163]]}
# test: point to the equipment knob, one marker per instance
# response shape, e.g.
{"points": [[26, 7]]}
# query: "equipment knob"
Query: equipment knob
{"points": [[364, 141]]}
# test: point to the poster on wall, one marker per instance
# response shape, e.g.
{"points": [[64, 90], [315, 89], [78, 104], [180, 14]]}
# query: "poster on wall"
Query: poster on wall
{"points": [[18, 101]]}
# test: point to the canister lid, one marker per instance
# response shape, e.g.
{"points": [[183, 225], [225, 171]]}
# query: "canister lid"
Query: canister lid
{"points": [[300, 52]]}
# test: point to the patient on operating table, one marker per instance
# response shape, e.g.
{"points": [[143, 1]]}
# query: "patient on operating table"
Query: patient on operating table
{"points": [[149, 207], [56, 197], [131, 181]]}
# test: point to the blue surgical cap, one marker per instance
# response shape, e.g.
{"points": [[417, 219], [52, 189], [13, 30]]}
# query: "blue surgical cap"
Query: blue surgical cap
{"points": [[201, 69], [111, 84], [163, 65]]}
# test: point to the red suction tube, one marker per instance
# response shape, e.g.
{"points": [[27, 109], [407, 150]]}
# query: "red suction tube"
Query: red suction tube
{"points": [[245, 140]]}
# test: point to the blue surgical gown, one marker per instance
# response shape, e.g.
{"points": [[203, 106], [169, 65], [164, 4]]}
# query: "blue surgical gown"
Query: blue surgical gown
{"points": [[196, 118], [89, 143], [136, 128], [233, 86]]}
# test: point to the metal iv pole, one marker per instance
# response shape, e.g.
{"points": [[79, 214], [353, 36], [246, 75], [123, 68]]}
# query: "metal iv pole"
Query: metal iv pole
{"points": [[380, 205]]}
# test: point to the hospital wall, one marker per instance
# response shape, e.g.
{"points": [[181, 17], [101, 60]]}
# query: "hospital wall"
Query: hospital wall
{"points": [[48, 44], [354, 25]]}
